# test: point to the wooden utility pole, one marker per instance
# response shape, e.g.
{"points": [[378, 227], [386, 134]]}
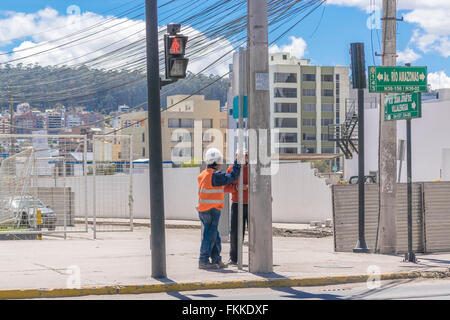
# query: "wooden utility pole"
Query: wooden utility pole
{"points": [[388, 141], [260, 179]]}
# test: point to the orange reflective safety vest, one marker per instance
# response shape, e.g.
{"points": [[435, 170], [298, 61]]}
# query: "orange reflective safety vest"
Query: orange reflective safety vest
{"points": [[209, 197]]}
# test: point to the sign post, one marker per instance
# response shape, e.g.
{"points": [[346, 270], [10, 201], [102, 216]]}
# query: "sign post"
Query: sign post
{"points": [[405, 107]]}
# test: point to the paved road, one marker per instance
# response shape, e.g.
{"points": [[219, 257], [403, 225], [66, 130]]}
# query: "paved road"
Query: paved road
{"points": [[404, 289]]}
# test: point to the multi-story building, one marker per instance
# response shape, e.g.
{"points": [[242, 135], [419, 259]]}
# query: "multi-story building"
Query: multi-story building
{"points": [[92, 119], [54, 121], [304, 101], [73, 120], [179, 125], [28, 122], [183, 124]]}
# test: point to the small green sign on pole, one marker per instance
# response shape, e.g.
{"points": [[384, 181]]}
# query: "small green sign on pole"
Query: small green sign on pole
{"points": [[397, 79], [403, 106]]}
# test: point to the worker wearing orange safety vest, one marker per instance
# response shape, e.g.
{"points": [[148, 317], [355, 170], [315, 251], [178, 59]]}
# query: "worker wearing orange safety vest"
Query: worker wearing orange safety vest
{"points": [[211, 182]]}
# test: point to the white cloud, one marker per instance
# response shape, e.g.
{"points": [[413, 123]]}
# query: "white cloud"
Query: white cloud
{"points": [[296, 48], [432, 16], [408, 56], [40, 30], [438, 80]]}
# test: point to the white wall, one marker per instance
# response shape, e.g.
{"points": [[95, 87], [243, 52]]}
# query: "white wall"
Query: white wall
{"points": [[430, 135], [298, 195]]}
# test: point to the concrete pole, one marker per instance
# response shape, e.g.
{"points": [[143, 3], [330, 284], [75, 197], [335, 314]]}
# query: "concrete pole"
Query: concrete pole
{"points": [[157, 225], [260, 183], [388, 141]]}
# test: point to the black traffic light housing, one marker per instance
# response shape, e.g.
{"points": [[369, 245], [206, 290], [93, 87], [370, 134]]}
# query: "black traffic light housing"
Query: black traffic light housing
{"points": [[358, 65], [175, 50]]}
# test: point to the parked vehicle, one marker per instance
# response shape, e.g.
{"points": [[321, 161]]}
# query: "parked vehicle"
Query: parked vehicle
{"points": [[25, 208], [367, 180]]}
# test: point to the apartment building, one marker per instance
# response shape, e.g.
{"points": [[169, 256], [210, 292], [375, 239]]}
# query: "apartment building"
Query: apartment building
{"points": [[304, 101], [191, 126]]}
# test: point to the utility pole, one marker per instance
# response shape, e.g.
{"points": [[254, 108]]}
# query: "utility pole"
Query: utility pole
{"points": [[260, 179], [157, 237], [388, 140]]}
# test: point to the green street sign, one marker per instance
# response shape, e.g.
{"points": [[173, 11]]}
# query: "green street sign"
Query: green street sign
{"points": [[397, 79], [403, 106]]}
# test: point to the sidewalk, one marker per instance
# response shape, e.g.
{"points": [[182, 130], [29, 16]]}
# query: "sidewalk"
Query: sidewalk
{"points": [[121, 263]]}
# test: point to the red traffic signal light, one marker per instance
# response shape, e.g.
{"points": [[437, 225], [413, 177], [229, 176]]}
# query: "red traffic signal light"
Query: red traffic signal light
{"points": [[177, 45]]}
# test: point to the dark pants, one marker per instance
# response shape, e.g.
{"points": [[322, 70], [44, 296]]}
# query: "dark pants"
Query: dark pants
{"points": [[211, 242], [234, 228]]}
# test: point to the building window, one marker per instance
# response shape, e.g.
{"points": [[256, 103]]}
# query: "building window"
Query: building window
{"points": [[285, 92], [223, 123], [281, 77], [174, 123], [143, 152], [186, 123], [327, 78], [284, 57], [327, 107], [325, 137], [309, 77], [285, 122], [143, 137], [327, 92], [271, 58], [207, 123], [337, 77], [309, 137], [287, 150], [326, 122], [309, 107], [285, 107], [309, 122], [309, 92], [327, 150], [287, 137]]}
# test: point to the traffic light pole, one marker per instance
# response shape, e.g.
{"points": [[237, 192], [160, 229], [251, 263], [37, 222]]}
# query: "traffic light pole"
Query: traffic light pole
{"points": [[157, 237]]}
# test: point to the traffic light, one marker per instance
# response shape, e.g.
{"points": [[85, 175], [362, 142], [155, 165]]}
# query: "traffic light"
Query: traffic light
{"points": [[175, 49]]}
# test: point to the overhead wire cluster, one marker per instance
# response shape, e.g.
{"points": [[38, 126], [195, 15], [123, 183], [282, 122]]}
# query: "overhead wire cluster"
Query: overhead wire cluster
{"points": [[216, 28]]}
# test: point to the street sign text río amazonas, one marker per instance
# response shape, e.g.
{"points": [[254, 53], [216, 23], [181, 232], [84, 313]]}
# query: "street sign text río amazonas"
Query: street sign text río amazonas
{"points": [[397, 79]]}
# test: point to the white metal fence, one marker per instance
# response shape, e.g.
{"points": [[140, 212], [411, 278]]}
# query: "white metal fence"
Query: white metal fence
{"points": [[59, 184]]}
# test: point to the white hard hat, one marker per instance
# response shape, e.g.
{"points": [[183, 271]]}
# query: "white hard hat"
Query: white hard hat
{"points": [[213, 155], [244, 151]]}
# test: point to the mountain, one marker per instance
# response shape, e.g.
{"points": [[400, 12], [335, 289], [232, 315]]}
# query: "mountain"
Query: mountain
{"points": [[100, 90]]}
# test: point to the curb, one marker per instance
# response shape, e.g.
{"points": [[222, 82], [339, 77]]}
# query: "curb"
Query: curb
{"points": [[191, 286]]}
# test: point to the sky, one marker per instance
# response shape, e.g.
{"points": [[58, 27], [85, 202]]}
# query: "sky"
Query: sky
{"points": [[26, 26]]}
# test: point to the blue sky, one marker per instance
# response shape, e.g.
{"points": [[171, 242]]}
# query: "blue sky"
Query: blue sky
{"points": [[325, 36]]}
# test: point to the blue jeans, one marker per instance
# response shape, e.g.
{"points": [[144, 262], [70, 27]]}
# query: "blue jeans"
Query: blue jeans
{"points": [[211, 242]]}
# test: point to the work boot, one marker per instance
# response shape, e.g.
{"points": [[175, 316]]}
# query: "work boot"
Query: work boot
{"points": [[222, 265], [208, 266]]}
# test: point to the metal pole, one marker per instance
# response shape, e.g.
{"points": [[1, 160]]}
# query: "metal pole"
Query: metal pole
{"points": [[240, 239], [131, 198], [260, 179], [157, 238], [410, 256], [85, 165], [94, 185], [388, 141], [361, 246]]}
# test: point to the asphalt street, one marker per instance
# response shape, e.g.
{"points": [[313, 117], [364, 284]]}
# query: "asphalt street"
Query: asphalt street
{"points": [[421, 289]]}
